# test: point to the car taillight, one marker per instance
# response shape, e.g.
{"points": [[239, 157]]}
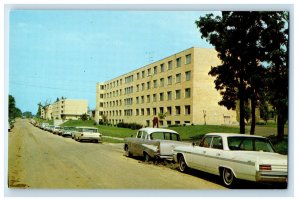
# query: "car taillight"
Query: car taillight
{"points": [[265, 167]]}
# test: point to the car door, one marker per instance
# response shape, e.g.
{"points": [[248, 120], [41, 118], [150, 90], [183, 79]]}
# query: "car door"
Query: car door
{"points": [[214, 155], [199, 153]]}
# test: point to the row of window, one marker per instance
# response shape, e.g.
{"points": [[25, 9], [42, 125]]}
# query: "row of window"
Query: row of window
{"points": [[149, 71], [149, 122], [177, 110], [143, 86], [148, 98]]}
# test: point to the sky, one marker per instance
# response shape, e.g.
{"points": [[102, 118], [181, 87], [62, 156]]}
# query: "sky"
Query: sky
{"points": [[55, 53]]}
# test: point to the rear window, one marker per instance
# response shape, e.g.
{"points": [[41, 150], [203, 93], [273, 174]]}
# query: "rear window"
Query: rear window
{"points": [[249, 144], [164, 136]]}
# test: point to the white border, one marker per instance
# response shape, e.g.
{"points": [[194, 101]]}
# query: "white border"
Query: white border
{"points": [[159, 5]]}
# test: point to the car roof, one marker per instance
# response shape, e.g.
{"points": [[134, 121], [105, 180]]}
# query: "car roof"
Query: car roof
{"points": [[152, 130], [233, 135]]}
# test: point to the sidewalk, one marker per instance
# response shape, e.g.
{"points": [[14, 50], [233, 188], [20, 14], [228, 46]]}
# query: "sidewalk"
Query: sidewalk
{"points": [[116, 138]]}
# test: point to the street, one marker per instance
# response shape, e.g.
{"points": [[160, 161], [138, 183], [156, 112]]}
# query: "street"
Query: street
{"points": [[39, 159]]}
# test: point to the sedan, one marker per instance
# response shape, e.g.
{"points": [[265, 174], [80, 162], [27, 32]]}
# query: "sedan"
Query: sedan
{"points": [[234, 156]]}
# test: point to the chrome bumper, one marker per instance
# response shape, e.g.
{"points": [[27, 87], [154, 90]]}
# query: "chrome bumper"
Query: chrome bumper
{"points": [[271, 176]]}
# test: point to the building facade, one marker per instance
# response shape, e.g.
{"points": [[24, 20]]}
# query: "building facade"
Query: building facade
{"points": [[178, 86], [46, 113], [66, 109]]}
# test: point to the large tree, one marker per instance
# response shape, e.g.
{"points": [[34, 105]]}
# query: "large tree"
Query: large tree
{"points": [[275, 39], [235, 36], [241, 40], [13, 111]]}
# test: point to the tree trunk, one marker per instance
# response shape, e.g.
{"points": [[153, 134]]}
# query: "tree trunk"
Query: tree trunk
{"points": [[280, 127], [242, 106], [253, 119]]}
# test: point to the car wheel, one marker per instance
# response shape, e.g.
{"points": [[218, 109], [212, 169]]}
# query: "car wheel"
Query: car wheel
{"points": [[228, 177], [147, 158], [127, 152], [182, 164]]}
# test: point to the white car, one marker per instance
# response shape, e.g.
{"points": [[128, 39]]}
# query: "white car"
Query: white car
{"points": [[88, 134], [234, 156]]}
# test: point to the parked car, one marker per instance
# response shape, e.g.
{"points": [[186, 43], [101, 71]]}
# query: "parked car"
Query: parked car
{"points": [[234, 156], [44, 125], [153, 143], [67, 131], [88, 134], [56, 129]]}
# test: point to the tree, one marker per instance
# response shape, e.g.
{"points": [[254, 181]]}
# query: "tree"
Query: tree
{"points": [[244, 42], [13, 111], [84, 117], [27, 114], [234, 40], [275, 39]]}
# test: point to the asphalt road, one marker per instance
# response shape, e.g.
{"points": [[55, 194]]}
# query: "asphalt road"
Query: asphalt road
{"points": [[39, 159]]}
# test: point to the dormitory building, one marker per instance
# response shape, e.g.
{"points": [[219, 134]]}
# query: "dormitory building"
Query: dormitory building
{"points": [[178, 86]]}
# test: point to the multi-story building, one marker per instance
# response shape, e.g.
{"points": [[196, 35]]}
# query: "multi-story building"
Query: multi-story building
{"points": [[46, 112], [178, 86], [69, 109]]}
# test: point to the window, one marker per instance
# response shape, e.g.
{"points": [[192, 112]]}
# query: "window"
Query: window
{"points": [[162, 82], [169, 110], [149, 72], [143, 74], [170, 65], [162, 68], [101, 95], [177, 94], [187, 109], [169, 80], [142, 99], [138, 76], [177, 110], [178, 78], [148, 111], [101, 104], [148, 85], [142, 111], [155, 83], [188, 92], [137, 112], [161, 96], [137, 88], [137, 100], [161, 110], [148, 98], [155, 70], [169, 93], [217, 143], [178, 62], [188, 59], [154, 98], [205, 142], [154, 111], [187, 75], [143, 86]]}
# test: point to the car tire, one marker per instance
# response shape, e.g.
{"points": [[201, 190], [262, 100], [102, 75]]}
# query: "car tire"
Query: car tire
{"points": [[182, 164], [228, 177], [127, 152], [147, 158]]}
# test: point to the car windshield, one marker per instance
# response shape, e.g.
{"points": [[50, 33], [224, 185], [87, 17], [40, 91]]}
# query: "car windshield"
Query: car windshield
{"points": [[250, 144], [89, 130], [164, 136]]}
